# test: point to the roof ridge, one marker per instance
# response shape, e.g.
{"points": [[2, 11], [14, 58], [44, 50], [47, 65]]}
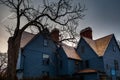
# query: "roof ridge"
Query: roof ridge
{"points": [[104, 37]]}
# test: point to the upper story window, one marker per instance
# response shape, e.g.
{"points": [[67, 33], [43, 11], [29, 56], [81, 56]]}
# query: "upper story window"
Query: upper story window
{"points": [[46, 59], [114, 47], [116, 65], [45, 42]]}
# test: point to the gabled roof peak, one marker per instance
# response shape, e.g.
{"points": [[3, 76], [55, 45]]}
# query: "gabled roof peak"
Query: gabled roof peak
{"points": [[99, 45]]}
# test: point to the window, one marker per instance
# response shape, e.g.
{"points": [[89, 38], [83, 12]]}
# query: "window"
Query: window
{"points": [[87, 64], [76, 62], [116, 65], [45, 56], [46, 59], [114, 48], [107, 66], [82, 49], [45, 42], [76, 66], [45, 73]]}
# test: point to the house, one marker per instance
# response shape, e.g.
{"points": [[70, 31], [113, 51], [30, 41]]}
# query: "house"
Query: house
{"points": [[97, 56], [43, 55], [69, 60], [40, 55]]}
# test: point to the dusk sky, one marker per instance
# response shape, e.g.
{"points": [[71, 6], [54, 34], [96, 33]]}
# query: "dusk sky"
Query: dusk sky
{"points": [[103, 16]]}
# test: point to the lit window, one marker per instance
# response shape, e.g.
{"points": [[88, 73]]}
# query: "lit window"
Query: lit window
{"points": [[45, 42]]}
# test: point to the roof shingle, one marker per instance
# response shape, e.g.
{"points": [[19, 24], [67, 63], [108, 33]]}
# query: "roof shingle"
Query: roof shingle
{"points": [[70, 52], [26, 37]]}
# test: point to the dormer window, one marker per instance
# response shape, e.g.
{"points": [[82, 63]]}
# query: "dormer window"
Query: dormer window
{"points": [[45, 42]]}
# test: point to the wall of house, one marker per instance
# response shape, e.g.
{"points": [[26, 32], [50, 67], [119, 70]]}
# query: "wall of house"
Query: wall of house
{"points": [[93, 61], [68, 67], [33, 58], [85, 51], [73, 67], [96, 63], [62, 63], [112, 53]]}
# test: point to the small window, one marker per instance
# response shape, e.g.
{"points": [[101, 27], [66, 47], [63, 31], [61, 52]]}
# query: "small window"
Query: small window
{"points": [[116, 65], [46, 59], [45, 56], [114, 48], [87, 64], [107, 66], [76, 63], [45, 73], [45, 42]]}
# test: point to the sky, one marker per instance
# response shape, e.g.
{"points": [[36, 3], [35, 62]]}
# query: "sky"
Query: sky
{"points": [[103, 16]]}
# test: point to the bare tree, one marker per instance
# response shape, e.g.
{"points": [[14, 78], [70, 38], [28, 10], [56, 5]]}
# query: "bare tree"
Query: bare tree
{"points": [[61, 13], [3, 63]]}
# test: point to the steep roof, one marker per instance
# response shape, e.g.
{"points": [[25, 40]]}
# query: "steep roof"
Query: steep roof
{"points": [[70, 52], [26, 37], [99, 45]]}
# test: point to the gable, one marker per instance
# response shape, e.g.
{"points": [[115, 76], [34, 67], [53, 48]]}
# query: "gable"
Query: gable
{"points": [[113, 48], [102, 44], [88, 52], [26, 37], [38, 44], [99, 46]]}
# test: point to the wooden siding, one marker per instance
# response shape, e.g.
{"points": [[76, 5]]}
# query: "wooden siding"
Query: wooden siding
{"points": [[33, 60], [112, 53], [94, 61]]}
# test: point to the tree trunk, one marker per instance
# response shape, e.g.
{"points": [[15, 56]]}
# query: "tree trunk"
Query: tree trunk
{"points": [[13, 50]]}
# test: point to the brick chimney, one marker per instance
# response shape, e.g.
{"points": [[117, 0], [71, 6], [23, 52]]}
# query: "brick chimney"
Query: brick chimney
{"points": [[87, 32], [55, 35]]}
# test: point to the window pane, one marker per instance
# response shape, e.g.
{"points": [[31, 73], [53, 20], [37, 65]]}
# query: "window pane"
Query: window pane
{"points": [[45, 56], [45, 42]]}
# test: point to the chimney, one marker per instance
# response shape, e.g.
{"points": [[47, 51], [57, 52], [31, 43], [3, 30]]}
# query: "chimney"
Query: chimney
{"points": [[55, 35], [87, 32]]}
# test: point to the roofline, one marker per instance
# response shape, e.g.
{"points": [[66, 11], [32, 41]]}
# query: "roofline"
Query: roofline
{"points": [[90, 46], [108, 42]]}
